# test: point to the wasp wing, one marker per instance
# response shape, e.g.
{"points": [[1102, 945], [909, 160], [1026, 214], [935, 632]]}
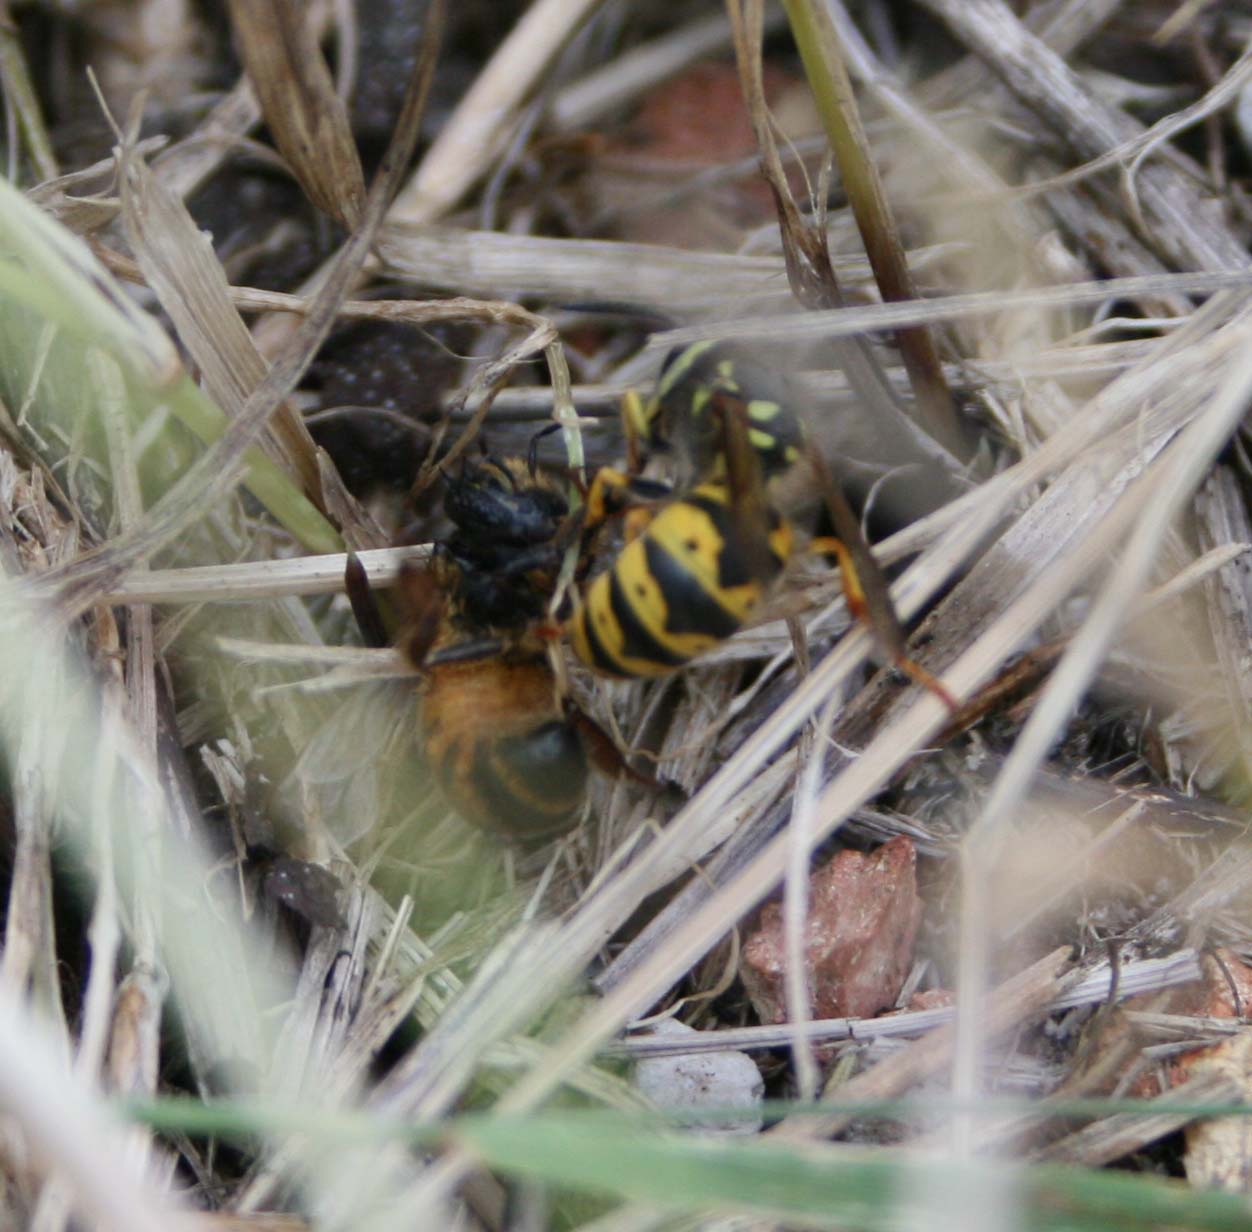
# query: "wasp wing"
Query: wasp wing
{"points": [[752, 517]]}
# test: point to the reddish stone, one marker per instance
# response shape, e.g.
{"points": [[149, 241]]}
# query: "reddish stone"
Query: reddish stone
{"points": [[932, 999], [1216, 1151], [1212, 997], [697, 119], [1219, 976], [1209, 997], [864, 912]]}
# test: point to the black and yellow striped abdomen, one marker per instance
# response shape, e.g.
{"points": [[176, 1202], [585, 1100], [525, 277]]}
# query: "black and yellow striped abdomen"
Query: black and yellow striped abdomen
{"points": [[698, 386], [683, 585]]}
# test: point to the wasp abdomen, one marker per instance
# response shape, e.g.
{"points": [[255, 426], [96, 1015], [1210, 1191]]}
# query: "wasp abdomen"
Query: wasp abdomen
{"points": [[685, 584]]}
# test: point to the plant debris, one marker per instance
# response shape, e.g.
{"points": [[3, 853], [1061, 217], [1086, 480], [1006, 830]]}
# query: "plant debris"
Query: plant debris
{"points": [[286, 286]]}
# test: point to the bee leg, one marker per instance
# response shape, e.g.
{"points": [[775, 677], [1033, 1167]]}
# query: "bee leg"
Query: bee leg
{"points": [[425, 601], [369, 617], [467, 652], [543, 556], [603, 753]]}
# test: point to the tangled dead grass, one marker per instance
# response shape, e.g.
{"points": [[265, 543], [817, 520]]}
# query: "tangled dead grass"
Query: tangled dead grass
{"points": [[1019, 322]]}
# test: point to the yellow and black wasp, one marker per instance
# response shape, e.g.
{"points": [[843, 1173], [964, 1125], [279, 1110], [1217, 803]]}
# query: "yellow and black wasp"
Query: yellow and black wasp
{"points": [[698, 567]]}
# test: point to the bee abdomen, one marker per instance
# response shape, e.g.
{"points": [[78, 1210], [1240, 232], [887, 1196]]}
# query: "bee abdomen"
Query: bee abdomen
{"points": [[506, 758]]}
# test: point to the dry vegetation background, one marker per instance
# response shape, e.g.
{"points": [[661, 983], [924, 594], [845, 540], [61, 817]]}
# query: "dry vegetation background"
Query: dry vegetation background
{"points": [[269, 261]]}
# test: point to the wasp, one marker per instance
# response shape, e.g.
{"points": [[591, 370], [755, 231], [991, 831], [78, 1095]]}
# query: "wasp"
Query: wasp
{"points": [[511, 755], [698, 567], [699, 385], [689, 580]]}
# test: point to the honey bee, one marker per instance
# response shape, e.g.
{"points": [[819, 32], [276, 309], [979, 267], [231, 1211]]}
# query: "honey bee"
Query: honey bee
{"points": [[511, 755]]}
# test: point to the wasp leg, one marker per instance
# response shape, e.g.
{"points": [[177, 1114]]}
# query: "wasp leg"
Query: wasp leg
{"points": [[854, 595], [605, 497], [892, 641], [635, 428], [869, 600], [615, 493]]}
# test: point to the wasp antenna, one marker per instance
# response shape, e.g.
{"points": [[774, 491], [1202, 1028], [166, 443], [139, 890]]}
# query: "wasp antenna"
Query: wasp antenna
{"points": [[654, 318]]}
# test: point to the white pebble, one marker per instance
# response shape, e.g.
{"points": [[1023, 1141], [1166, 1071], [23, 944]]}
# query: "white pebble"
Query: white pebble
{"points": [[703, 1080]]}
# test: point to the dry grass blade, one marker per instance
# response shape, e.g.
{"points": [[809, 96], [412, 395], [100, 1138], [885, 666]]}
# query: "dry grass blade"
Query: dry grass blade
{"points": [[477, 132], [1175, 221], [1093, 988], [1017, 1000], [186, 166], [279, 49], [219, 469], [178, 262], [839, 322], [1118, 1136], [473, 262], [65, 1123], [820, 49], [127, 1017]]}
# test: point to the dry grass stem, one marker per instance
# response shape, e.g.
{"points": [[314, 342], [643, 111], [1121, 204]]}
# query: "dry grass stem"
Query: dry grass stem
{"points": [[477, 133], [233, 827], [278, 46]]}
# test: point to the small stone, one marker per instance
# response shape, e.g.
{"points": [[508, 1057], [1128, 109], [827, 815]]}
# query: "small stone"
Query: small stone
{"points": [[932, 999], [864, 913], [1218, 1152], [693, 1081]]}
